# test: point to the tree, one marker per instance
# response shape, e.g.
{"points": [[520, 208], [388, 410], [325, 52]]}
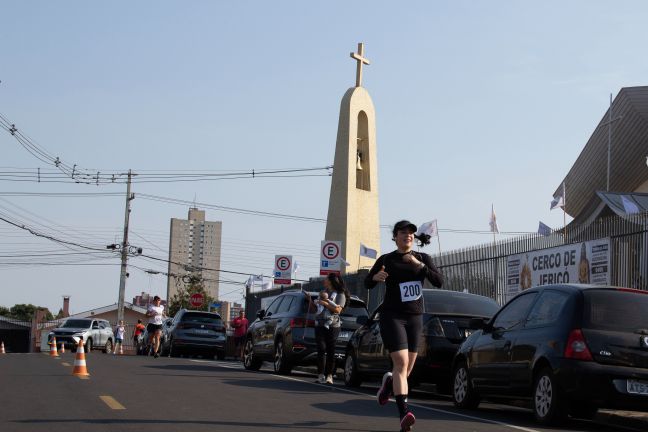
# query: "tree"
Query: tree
{"points": [[5, 312], [26, 312], [189, 285]]}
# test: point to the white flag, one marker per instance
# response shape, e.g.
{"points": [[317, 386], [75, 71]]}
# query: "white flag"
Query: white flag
{"points": [[559, 200], [368, 252], [258, 278], [295, 266], [429, 228], [346, 263], [629, 206], [267, 283], [493, 221]]}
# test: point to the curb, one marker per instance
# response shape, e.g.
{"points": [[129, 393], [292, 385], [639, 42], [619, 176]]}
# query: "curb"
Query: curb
{"points": [[630, 419]]}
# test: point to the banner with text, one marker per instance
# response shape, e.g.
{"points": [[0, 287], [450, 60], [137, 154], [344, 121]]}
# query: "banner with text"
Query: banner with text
{"points": [[330, 257], [587, 262], [283, 270]]}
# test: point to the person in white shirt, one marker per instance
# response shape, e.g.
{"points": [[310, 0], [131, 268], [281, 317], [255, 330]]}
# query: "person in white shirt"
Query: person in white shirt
{"points": [[156, 314], [119, 337]]}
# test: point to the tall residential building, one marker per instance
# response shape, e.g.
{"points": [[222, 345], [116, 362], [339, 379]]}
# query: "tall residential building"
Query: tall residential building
{"points": [[194, 250]]}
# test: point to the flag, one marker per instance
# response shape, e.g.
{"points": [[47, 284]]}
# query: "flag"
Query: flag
{"points": [[346, 263], [629, 206], [429, 228], [257, 278], [493, 221], [295, 266], [559, 200], [368, 252], [267, 283], [544, 229]]}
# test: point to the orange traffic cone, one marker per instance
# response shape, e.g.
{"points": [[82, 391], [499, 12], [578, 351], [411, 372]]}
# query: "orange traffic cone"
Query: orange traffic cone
{"points": [[80, 362], [2, 351], [62, 350], [53, 352]]}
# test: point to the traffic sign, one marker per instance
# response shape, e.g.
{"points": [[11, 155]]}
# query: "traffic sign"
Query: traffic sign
{"points": [[330, 257], [283, 269], [196, 299]]}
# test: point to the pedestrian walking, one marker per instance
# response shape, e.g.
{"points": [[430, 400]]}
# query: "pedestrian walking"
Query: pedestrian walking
{"points": [[403, 271], [240, 325], [156, 314], [139, 329], [119, 337], [327, 325]]}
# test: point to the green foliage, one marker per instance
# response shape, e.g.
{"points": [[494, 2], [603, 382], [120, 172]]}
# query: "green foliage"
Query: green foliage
{"points": [[24, 312], [180, 300]]}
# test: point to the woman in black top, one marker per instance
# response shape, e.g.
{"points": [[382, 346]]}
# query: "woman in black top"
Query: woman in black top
{"points": [[403, 271], [327, 331]]}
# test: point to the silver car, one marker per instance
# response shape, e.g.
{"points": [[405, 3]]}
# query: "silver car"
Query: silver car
{"points": [[96, 334]]}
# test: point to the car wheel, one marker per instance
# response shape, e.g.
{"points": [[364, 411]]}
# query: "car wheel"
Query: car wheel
{"points": [[88, 345], [281, 364], [250, 361], [463, 394], [108, 348], [352, 377], [548, 405]]}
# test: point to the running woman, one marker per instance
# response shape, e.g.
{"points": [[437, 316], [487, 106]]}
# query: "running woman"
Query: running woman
{"points": [[403, 271], [156, 314]]}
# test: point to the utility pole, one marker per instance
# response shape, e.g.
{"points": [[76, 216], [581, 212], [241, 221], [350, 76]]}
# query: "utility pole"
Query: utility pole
{"points": [[124, 252]]}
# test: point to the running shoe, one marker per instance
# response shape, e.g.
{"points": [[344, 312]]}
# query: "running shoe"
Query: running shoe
{"points": [[156, 355], [329, 379], [321, 379], [407, 421], [385, 389]]}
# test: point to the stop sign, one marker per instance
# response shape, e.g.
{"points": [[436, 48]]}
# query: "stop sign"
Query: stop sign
{"points": [[196, 300]]}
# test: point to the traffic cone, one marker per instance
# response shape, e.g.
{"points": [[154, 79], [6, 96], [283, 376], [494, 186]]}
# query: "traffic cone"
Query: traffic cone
{"points": [[62, 350], [80, 362], [2, 351], [53, 352]]}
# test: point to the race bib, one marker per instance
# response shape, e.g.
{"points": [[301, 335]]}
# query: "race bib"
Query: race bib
{"points": [[411, 291]]}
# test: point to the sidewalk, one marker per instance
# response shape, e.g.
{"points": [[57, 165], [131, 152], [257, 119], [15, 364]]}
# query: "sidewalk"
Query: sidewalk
{"points": [[630, 419]]}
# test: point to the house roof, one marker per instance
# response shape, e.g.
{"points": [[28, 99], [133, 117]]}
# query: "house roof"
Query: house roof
{"points": [[109, 308], [629, 149]]}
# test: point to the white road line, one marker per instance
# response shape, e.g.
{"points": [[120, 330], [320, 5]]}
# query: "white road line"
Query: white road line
{"points": [[344, 389]]}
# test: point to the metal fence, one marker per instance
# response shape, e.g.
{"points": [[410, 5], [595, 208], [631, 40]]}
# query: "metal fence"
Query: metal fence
{"points": [[482, 269]]}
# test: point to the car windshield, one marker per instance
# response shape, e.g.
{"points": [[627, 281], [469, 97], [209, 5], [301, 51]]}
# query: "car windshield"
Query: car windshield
{"points": [[354, 310], [205, 318], [616, 310], [76, 323], [438, 302]]}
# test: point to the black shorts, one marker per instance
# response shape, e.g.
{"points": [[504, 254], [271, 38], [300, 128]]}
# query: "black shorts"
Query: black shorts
{"points": [[152, 328], [400, 331]]}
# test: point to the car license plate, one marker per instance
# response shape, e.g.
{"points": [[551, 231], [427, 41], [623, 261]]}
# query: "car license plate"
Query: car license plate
{"points": [[638, 387], [200, 331], [345, 335]]}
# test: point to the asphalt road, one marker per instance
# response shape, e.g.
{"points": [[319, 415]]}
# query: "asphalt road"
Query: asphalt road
{"points": [[128, 393]]}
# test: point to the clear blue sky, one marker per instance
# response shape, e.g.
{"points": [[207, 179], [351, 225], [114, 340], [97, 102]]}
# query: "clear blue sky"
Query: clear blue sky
{"points": [[477, 103]]}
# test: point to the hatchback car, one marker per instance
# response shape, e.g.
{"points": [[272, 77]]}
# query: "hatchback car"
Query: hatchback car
{"points": [[566, 349], [194, 332], [284, 333], [446, 323]]}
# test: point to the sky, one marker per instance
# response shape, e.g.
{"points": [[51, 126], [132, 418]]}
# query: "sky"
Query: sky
{"points": [[478, 104]]}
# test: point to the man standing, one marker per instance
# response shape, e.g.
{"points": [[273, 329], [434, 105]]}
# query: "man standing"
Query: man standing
{"points": [[240, 324]]}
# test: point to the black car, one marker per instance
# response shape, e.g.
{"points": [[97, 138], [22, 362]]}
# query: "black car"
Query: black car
{"points": [[566, 349], [284, 333], [446, 323], [194, 332]]}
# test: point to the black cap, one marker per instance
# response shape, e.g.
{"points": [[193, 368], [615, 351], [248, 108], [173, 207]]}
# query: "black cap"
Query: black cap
{"points": [[404, 224]]}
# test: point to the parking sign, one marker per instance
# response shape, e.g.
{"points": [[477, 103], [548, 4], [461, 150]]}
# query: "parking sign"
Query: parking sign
{"points": [[283, 269], [330, 257]]}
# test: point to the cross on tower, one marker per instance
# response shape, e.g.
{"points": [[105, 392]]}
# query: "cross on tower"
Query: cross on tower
{"points": [[358, 57]]}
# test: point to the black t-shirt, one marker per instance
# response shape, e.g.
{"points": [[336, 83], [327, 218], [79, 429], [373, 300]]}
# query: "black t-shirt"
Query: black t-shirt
{"points": [[399, 273]]}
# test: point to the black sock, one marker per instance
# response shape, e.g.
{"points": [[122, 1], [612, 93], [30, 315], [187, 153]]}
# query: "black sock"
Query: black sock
{"points": [[401, 403]]}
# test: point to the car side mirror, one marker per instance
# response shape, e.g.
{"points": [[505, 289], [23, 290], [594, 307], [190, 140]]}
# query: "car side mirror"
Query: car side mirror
{"points": [[261, 314], [362, 320]]}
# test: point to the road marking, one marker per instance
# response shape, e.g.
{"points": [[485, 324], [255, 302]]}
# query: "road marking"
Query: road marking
{"points": [[66, 364], [112, 403], [83, 377], [344, 389]]}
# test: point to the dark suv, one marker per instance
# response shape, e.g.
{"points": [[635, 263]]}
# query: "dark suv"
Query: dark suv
{"points": [[566, 349], [195, 332], [446, 323], [284, 333]]}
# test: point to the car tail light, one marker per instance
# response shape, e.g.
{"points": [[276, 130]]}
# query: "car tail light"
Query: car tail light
{"points": [[577, 347]]}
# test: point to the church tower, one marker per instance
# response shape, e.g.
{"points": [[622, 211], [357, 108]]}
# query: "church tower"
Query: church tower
{"points": [[353, 202]]}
